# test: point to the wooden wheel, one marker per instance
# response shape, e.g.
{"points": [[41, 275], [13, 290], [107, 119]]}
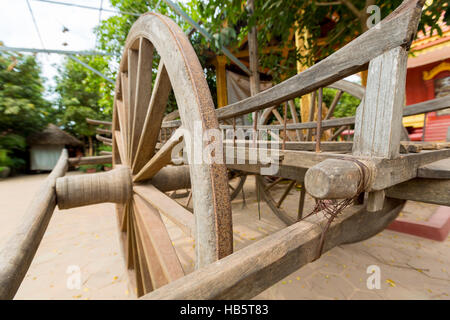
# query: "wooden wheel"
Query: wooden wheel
{"points": [[158, 58], [276, 191]]}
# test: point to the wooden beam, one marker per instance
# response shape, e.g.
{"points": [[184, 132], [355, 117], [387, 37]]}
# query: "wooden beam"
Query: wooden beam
{"points": [[251, 270], [435, 191], [17, 253], [90, 160], [435, 170]]}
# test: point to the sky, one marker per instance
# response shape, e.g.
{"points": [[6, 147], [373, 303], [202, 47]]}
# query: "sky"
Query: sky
{"points": [[17, 28]]}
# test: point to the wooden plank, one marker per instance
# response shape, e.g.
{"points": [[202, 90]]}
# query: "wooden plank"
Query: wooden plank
{"points": [[427, 106], [90, 160], [251, 270], [153, 225], [103, 131], [160, 159], [400, 25], [153, 119], [379, 118], [167, 206], [157, 276], [385, 172], [98, 122], [143, 91], [435, 170], [103, 139], [378, 124], [17, 253], [435, 191]]}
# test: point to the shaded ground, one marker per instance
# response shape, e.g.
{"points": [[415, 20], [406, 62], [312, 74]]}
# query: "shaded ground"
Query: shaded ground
{"points": [[86, 239]]}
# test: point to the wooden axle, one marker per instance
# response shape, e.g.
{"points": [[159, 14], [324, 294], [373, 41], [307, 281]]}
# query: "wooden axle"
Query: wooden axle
{"points": [[337, 179], [113, 186]]}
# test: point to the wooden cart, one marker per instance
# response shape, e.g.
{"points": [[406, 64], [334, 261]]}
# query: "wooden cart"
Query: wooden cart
{"points": [[335, 173]]}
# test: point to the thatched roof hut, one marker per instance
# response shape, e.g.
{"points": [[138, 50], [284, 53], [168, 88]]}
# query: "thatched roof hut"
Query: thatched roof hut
{"points": [[53, 135], [46, 146]]}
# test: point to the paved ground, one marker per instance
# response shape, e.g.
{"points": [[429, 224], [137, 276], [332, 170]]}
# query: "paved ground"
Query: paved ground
{"points": [[84, 243]]}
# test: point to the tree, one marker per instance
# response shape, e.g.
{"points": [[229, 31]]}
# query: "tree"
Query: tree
{"points": [[112, 33], [83, 94], [23, 109], [335, 22]]}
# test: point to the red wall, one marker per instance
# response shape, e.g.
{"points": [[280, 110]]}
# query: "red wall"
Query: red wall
{"points": [[419, 90]]}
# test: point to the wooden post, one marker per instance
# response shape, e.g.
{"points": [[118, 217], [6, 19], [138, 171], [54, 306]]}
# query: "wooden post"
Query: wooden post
{"points": [[221, 81], [82, 190], [16, 255], [378, 124], [253, 60]]}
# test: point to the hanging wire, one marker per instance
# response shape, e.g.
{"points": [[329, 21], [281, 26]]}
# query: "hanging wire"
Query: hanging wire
{"points": [[35, 24], [88, 7]]}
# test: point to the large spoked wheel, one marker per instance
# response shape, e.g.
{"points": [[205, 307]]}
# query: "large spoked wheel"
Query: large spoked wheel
{"points": [[158, 58], [281, 193]]}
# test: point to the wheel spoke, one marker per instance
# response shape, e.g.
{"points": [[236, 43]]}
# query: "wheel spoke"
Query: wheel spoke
{"points": [[312, 107], [145, 271], [143, 91], [277, 115], [153, 119], [129, 241], [168, 207], [134, 252], [333, 105], [286, 192], [160, 159], [133, 57], [120, 147], [151, 225], [295, 119], [121, 114], [125, 113], [272, 184], [301, 203], [271, 203]]}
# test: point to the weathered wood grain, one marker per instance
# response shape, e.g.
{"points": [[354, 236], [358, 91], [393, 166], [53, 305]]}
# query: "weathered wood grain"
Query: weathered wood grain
{"points": [[181, 217], [18, 252], [258, 266], [435, 170], [435, 191]]}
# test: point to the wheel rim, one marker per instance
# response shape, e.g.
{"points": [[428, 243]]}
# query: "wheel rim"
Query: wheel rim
{"points": [[137, 118]]}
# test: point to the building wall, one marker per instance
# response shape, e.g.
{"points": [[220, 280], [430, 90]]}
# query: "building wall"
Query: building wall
{"points": [[419, 89], [44, 157]]}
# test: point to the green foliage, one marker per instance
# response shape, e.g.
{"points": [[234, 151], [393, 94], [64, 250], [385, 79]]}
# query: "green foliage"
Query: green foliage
{"points": [[83, 94], [12, 151], [278, 18], [112, 33], [23, 109], [346, 106]]}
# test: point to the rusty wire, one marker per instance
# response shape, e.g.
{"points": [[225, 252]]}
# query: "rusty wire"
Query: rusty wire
{"points": [[332, 208]]}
